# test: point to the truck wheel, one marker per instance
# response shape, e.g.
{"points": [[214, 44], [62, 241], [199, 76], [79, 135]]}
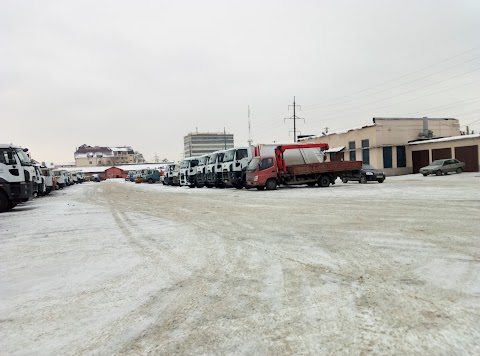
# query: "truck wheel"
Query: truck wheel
{"points": [[344, 180], [459, 170], [363, 180], [438, 173], [150, 181], [3, 202], [324, 181], [271, 184]]}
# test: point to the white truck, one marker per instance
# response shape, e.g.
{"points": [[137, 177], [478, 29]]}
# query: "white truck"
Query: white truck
{"points": [[81, 177], [201, 179], [60, 176], [234, 166], [74, 177], [214, 170], [40, 187], [49, 179], [188, 172], [16, 176], [172, 174]]}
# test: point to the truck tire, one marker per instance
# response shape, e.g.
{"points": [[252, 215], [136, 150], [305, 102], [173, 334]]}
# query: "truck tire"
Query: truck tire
{"points": [[324, 181], [438, 173], [239, 185], [271, 184], [150, 181], [344, 180], [363, 180], [3, 202]]}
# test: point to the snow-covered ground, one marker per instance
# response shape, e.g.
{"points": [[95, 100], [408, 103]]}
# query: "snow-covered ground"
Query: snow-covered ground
{"points": [[117, 267]]}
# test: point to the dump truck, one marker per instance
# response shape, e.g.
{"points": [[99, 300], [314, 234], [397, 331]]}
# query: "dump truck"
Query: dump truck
{"points": [[234, 166], [295, 165], [16, 176], [214, 170]]}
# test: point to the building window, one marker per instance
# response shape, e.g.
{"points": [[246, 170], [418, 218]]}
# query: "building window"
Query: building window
{"points": [[366, 151], [387, 157], [351, 147], [401, 156]]}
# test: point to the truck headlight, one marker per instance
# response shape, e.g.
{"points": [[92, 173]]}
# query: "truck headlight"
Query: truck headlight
{"points": [[255, 178]]}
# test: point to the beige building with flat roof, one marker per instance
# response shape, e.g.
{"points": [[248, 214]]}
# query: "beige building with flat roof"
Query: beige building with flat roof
{"points": [[103, 156], [385, 143]]}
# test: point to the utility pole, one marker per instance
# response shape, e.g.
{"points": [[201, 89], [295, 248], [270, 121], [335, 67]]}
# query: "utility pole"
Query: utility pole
{"points": [[249, 128], [225, 137], [294, 118]]}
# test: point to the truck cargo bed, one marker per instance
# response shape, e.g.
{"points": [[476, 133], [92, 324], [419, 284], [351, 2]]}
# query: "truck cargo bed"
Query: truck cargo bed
{"points": [[325, 167]]}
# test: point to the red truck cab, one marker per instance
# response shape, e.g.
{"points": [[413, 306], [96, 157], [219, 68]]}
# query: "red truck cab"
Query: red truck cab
{"points": [[260, 170]]}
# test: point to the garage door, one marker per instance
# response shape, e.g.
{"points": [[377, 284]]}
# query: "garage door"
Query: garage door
{"points": [[419, 159], [469, 155], [441, 153]]}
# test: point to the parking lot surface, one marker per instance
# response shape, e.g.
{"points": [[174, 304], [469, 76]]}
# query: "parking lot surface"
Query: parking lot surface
{"points": [[117, 267]]}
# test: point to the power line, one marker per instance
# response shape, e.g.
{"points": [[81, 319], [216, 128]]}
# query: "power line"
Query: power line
{"points": [[401, 102], [398, 78], [444, 106]]}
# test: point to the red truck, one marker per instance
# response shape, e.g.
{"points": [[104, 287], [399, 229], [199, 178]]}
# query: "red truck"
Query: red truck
{"points": [[272, 171]]}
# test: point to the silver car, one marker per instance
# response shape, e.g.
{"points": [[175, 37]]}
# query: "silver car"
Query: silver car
{"points": [[443, 166]]}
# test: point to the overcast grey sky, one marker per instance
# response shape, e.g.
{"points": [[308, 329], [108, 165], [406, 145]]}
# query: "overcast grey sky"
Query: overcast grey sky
{"points": [[146, 73]]}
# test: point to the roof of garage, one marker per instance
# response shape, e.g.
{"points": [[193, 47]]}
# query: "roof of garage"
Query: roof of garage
{"points": [[445, 139]]}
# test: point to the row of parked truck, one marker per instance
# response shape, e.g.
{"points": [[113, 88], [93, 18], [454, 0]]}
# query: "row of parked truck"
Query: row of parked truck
{"points": [[262, 166], [22, 178]]}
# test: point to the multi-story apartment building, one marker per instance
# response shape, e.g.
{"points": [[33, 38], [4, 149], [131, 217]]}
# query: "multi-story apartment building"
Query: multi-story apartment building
{"points": [[104, 156], [198, 144]]}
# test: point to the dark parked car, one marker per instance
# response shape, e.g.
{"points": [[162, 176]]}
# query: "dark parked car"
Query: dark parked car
{"points": [[443, 166], [366, 174]]}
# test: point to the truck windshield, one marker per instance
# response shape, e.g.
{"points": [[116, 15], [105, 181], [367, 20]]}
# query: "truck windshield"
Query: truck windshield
{"points": [[202, 160], [229, 156], [194, 163], [185, 164], [213, 158], [220, 157], [243, 153], [24, 159], [252, 166]]}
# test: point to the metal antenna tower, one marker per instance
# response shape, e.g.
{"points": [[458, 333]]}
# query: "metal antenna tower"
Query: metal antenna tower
{"points": [[249, 128], [294, 118]]}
